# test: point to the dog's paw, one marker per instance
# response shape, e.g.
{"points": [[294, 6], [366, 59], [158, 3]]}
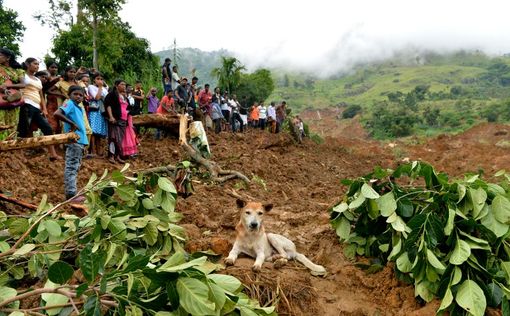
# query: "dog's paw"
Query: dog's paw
{"points": [[229, 261], [256, 268], [278, 263], [319, 272]]}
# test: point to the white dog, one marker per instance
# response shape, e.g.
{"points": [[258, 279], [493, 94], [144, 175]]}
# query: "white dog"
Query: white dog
{"points": [[253, 241]]}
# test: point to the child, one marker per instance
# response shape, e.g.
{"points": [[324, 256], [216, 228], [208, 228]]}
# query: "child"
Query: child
{"points": [[153, 101], [71, 113], [166, 106]]}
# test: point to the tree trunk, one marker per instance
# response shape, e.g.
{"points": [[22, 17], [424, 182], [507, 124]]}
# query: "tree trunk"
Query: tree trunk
{"points": [[94, 40], [34, 142], [159, 121]]}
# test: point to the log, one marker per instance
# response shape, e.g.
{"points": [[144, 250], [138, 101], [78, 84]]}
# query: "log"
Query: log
{"points": [[18, 202], [156, 120], [34, 142], [5, 127]]}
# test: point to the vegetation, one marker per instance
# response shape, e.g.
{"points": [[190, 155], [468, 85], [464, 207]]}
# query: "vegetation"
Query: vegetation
{"points": [[228, 74], [448, 238], [124, 257], [442, 93], [11, 30]]}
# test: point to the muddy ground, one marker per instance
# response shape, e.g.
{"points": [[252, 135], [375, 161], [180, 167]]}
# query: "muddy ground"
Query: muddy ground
{"points": [[302, 181]]}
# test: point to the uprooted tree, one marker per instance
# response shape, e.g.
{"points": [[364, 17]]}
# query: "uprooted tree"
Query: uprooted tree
{"points": [[125, 257]]}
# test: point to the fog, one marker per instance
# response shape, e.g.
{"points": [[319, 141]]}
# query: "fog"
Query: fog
{"points": [[323, 37]]}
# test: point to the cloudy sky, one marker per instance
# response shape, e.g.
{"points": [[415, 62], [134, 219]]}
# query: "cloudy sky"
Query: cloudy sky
{"points": [[318, 35]]}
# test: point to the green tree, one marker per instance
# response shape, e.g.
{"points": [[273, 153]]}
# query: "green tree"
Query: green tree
{"points": [[58, 17], [11, 30], [229, 74], [286, 81], [119, 50], [256, 86]]}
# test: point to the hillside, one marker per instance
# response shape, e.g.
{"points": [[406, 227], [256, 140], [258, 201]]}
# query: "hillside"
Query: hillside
{"points": [[189, 58]]}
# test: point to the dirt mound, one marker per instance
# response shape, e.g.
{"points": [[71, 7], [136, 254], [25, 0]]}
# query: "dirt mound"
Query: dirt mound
{"points": [[302, 181]]}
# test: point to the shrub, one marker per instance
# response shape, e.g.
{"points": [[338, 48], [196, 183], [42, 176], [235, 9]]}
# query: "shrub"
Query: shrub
{"points": [[351, 111]]}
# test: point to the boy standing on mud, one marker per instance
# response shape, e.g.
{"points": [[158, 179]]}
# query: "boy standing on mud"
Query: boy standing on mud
{"points": [[71, 113]]}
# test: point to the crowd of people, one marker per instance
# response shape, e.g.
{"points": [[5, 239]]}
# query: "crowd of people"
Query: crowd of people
{"points": [[80, 100]]}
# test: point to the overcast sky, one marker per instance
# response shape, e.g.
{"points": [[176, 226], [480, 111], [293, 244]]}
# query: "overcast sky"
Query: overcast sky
{"points": [[321, 35]]}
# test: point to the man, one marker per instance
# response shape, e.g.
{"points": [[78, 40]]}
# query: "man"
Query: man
{"points": [[271, 117], [138, 96], [204, 102], [182, 95], [281, 113], [244, 108], [166, 73], [234, 105], [176, 81], [192, 90]]}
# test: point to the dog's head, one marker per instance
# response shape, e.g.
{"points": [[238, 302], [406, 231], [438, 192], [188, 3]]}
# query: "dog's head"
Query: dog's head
{"points": [[252, 213]]}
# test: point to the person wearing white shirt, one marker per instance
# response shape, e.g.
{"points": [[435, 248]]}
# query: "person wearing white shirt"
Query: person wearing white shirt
{"points": [[271, 117], [262, 116], [235, 106]]}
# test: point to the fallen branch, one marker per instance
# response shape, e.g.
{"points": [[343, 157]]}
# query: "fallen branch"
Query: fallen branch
{"points": [[162, 169], [156, 120], [5, 127], [217, 173], [18, 202], [34, 142]]}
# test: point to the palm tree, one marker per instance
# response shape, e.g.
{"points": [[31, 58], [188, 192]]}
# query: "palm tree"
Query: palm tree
{"points": [[229, 75]]}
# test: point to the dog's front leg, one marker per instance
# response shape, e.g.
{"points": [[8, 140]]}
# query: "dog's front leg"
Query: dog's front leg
{"points": [[261, 257], [232, 256]]}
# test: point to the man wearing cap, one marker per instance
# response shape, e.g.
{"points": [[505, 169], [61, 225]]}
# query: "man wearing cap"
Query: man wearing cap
{"points": [[182, 95], [166, 72]]}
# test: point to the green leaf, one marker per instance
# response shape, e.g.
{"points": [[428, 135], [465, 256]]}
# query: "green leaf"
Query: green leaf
{"points": [[173, 296], [168, 202], [505, 307], [499, 229], [91, 263], [340, 208], [126, 192], [60, 272], [471, 298], [92, 306], [449, 223], [217, 295], [457, 276], [460, 253], [424, 290], [166, 185], [18, 226], [501, 209], [4, 246], [147, 203], [26, 248], [226, 282], [447, 300], [495, 295], [478, 198], [52, 227], [368, 192], [7, 293], [357, 202], [194, 296], [432, 259], [387, 204], [150, 234], [343, 229], [52, 299], [403, 263], [170, 266], [461, 190]]}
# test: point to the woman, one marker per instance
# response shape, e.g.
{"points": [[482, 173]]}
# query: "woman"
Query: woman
{"points": [[129, 143], [34, 110], [52, 99], [11, 76], [97, 93], [116, 107]]}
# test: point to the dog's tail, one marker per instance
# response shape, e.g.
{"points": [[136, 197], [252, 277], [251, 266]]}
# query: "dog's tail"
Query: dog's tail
{"points": [[315, 269]]}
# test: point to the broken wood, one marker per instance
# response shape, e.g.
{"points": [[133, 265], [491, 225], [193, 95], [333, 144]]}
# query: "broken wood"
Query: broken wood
{"points": [[217, 173], [158, 121], [35, 142], [5, 127], [21, 203], [162, 169]]}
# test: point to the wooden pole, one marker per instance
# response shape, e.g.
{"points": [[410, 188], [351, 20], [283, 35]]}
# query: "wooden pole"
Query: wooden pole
{"points": [[34, 142], [18, 202]]}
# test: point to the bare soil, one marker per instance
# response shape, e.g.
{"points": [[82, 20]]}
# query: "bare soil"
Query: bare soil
{"points": [[302, 181]]}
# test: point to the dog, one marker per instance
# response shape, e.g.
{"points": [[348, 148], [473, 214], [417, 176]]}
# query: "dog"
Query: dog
{"points": [[253, 241]]}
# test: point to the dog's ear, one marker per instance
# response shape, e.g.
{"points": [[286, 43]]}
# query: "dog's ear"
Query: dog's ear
{"points": [[268, 207], [240, 203]]}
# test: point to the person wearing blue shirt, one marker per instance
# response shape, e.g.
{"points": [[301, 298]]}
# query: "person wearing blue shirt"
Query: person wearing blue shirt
{"points": [[71, 113]]}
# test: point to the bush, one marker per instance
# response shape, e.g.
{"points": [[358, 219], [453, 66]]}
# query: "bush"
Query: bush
{"points": [[351, 111], [448, 238]]}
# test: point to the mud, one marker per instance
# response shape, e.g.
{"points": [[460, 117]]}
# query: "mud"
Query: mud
{"points": [[302, 181]]}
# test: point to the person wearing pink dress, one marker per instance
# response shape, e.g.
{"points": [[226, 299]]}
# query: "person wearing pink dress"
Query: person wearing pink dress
{"points": [[129, 143]]}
